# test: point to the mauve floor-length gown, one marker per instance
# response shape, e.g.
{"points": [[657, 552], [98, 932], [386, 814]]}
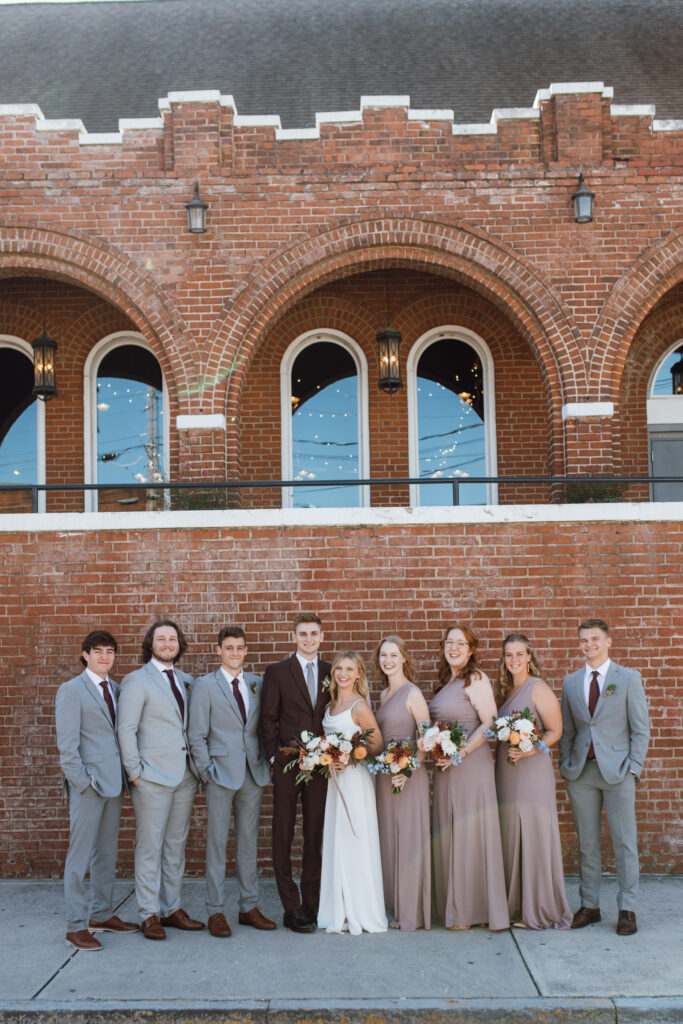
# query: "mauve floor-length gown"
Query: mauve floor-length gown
{"points": [[532, 853], [468, 879], [403, 817]]}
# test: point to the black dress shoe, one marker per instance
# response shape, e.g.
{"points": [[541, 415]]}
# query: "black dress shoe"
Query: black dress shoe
{"points": [[297, 921], [311, 913], [626, 925], [586, 915]]}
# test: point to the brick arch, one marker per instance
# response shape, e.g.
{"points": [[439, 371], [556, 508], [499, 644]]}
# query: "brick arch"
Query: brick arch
{"points": [[655, 273], [101, 268]]}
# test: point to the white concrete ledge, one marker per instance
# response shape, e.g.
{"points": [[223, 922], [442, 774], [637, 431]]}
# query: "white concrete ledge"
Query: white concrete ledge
{"points": [[665, 410], [384, 101], [430, 115], [475, 129], [667, 126], [86, 522], [339, 117], [139, 124], [573, 88], [100, 139], [21, 110], [283, 134], [63, 125], [632, 110], [577, 410], [514, 114], [205, 421], [257, 121]]}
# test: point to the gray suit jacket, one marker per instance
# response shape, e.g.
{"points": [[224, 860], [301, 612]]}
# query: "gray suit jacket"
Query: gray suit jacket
{"points": [[221, 744], [86, 738], [152, 734], [619, 728]]}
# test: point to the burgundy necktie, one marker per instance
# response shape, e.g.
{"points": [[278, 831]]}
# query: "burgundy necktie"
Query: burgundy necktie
{"points": [[110, 703], [176, 692], [593, 697], [238, 698]]}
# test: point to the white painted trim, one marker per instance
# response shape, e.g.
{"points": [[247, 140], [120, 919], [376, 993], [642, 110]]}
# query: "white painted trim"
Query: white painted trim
{"points": [[100, 139], [254, 519], [206, 421], [667, 126], [12, 341], [138, 124], [384, 101], [64, 125], [21, 110], [285, 134], [488, 370], [257, 121], [95, 357], [578, 410], [665, 410], [514, 113], [339, 117], [195, 96], [430, 115], [358, 356], [632, 110], [474, 129], [573, 88]]}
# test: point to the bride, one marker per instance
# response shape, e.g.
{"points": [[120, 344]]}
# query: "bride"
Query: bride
{"points": [[351, 892]]}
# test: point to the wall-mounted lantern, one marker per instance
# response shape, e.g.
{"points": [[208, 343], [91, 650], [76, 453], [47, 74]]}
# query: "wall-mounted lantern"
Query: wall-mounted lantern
{"points": [[583, 203], [44, 348], [196, 213]]}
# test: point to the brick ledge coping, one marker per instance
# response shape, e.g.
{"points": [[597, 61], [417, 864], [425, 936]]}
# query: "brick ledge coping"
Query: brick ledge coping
{"points": [[82, 522]]}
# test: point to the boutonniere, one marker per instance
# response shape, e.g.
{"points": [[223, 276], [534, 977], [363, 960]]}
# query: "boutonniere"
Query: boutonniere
{"points": [[326, 683], [252, 687], [117, 692], [609, 690], [186, 685]]}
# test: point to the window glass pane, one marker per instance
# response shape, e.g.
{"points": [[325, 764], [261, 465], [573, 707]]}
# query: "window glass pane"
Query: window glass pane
{"points": [[325, 430], [450, 417], [130, 435], [18, 419], [663, 384]]}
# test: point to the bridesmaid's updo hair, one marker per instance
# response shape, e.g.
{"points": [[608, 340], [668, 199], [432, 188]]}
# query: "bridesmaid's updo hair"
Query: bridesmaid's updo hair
{"points": [[408, 663], [471, 670], [362, 681], [504, 680]]}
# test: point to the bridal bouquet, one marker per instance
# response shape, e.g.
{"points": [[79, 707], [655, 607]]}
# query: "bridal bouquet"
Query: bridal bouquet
{"points": [[518, 730], [398, 758], [444, 741], [322, 753]]}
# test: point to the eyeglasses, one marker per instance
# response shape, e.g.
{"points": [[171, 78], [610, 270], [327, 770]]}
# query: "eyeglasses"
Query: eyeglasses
{"points": [[457, 643]]}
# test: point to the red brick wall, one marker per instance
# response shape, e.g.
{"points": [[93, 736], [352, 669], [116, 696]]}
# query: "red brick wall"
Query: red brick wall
{"points": [[539, 577]]}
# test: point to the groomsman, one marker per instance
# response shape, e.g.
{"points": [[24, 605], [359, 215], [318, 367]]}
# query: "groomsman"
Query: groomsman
{"points": [[294, 698], [85, 715], [228, 754], [152, 730], [602, 750]]}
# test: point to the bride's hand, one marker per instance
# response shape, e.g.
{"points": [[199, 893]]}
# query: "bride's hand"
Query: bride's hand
{"points": [[336, 767]]}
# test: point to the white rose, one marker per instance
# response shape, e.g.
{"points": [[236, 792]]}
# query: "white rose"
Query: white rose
{"points": [[345, 747], [525, 727], [394, 768], [525, 745], [500, 722], [503, 733], [448, 746], [344, 758], [333, 741]]}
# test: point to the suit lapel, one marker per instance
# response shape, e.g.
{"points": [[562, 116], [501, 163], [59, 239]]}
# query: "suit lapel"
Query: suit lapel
{"points": [[99, 701], [298, 677], [254, 695], [164, 685], [226, 690], [610, 678]]}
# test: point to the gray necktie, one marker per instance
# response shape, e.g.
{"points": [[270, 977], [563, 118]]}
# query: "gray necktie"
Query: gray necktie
{"points": [[310, 682]]}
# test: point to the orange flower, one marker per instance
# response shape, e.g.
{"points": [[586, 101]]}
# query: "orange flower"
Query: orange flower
{"points": [[403, 762], [513, 739], [360, 752]]}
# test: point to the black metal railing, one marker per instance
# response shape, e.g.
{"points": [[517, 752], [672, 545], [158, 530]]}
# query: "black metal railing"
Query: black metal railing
{"points": [[562, 488]]}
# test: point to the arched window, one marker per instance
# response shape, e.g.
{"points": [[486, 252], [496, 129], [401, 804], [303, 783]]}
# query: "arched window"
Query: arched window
{"points": [[126, 415], [324, 419], [451, 416], [665, 423], [22, 425]]}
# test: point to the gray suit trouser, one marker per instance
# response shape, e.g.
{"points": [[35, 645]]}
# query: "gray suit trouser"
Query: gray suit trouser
{"points": [[587, 795], [162, 821], [245, 804], [93, 843]]}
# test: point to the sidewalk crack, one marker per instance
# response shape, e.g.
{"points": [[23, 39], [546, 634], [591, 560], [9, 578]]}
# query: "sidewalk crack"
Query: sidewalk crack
{"points": [[524, 961], [54, 975]]}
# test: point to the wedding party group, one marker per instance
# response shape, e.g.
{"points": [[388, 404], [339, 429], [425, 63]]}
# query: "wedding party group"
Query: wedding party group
{"points": [[375, 855]]}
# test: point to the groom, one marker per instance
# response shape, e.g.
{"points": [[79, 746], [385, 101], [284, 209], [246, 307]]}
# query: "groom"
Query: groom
{"points": [[293, 699], [602, 750]]}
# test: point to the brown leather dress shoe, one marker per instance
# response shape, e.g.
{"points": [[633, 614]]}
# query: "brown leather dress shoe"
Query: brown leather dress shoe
{"points": [[83, 940], [113, 924], [586, 915], [626, 925], [151, 928], [256, 919], [219, 927], [180, 919]]}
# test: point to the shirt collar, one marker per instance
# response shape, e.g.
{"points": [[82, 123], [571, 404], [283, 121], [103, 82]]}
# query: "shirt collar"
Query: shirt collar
{"points": [[304, 662], [94, 678], [229, 678], [162, 668], [602, 670]]}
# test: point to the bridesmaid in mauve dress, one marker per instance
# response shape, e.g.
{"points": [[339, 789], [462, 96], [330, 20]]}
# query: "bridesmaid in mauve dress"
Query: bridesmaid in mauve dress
{"points": [[526, 795], [467, 867], [403, 817]]}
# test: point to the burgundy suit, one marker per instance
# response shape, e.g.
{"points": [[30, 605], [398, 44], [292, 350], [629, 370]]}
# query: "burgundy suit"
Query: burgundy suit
{"points": [[286, 710]]}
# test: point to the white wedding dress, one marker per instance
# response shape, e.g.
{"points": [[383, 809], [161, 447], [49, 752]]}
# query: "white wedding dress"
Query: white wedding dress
{"points": [[351, 891]]}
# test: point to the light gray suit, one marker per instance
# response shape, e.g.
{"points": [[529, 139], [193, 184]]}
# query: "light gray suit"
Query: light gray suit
{"points": [[619, 730], [155, 751], [230, 759], [91, 762]]}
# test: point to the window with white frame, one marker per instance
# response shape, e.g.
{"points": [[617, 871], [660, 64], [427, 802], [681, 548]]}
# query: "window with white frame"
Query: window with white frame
{"points": [[22, 420], [324, 419], [665, 424], [451, 416], [126, 414]]}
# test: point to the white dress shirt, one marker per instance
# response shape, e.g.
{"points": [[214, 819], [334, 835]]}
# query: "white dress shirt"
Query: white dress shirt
{"points": [[97, 680], [304, 662], [602, 672], [241, 686]]}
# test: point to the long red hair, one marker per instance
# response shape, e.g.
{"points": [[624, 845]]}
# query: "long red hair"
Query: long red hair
{"points": [[471, 669]]}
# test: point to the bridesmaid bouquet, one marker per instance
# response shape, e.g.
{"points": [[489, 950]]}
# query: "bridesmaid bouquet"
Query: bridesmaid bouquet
{"points": [[322, 753], [518, 730], [398, 758], [444, 741]]}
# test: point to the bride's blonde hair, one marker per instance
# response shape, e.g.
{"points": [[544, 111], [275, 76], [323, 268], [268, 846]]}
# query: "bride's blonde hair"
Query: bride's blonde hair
{"points": [[361, 684]]}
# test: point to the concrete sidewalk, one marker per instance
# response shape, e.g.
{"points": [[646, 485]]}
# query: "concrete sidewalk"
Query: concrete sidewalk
{"points": [[589, 975]]}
